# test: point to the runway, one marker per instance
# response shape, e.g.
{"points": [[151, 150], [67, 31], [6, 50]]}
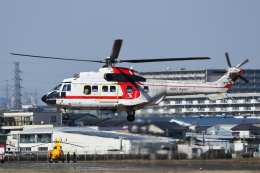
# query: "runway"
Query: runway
{"points": [[132, 166]]}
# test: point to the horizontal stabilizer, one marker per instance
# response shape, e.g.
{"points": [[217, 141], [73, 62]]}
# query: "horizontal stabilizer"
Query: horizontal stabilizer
{"points": [[155, 102], [218, 96]]}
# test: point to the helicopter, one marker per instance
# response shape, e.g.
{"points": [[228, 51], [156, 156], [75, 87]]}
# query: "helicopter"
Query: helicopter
{"points": [[56, 153], [123, 89]]}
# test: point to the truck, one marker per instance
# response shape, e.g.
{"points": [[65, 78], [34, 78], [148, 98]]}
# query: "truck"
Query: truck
{"points": [[2, 154]]}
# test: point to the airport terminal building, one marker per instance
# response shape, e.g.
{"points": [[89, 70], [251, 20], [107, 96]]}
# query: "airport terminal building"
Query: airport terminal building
{"points": [[244, 97]]}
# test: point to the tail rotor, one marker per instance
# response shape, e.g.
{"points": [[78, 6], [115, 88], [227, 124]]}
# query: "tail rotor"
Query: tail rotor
{"points": [[233, 70]]}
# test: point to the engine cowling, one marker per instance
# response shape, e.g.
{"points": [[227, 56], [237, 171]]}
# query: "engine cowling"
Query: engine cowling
{"points": [[116, 77]]}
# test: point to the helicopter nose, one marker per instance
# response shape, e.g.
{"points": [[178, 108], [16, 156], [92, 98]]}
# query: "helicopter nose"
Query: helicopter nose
{"points": [[44, 98]]}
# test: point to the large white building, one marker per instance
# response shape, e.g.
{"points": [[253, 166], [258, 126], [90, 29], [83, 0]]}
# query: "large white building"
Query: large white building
{"points": [[244, 98], [85, 140]]}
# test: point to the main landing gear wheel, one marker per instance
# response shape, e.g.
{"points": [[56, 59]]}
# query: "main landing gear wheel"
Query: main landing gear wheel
{"points": [[130, 118], [66, 116], [131, 114]]}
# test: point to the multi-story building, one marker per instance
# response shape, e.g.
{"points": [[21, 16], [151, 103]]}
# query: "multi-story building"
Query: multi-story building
{"points": [[244, 98], [14, 123]]}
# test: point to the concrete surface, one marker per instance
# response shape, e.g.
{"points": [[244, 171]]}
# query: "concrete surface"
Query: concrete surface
{"points": [[132, 166]]}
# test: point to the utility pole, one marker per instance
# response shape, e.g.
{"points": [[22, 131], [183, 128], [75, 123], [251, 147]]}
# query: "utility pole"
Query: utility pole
{"points": [[17, 87]]}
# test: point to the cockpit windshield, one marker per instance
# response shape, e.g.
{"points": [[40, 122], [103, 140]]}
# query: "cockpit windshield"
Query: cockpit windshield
{"points": [[57, 87]]}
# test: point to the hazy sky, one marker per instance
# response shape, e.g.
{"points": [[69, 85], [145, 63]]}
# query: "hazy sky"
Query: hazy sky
{"points": [[149, 29]]}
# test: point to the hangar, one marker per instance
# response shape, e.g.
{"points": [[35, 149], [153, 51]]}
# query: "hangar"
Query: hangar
{"points": [[84, 140]]}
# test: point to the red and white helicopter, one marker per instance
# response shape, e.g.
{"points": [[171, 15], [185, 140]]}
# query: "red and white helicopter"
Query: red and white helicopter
{"points": [[116, 88]]}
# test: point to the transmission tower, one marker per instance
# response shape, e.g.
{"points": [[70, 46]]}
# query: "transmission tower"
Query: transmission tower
{"points": [[17, 87], [35, 98], [7, 99], [24, 98]]}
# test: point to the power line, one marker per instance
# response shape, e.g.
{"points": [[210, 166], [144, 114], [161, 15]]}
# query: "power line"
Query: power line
{"points": [[40, 82], [5, 63], [44, 75]]}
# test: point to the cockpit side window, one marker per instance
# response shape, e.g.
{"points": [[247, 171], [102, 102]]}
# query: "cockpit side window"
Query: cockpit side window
{"points": [[69, 87], [64, 88]]}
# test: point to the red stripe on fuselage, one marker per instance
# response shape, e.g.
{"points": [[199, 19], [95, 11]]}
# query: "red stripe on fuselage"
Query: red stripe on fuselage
{"points": [[94, 97]]}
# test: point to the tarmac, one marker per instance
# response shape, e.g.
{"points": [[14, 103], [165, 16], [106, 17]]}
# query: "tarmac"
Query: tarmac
{"points": [[133, 166]]}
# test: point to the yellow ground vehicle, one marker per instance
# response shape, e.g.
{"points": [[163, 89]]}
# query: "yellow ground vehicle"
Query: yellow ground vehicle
{"points": [[56, 153]]}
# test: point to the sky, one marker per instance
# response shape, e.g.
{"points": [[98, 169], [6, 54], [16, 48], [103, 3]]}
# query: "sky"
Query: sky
{"points": [[85, 29]]}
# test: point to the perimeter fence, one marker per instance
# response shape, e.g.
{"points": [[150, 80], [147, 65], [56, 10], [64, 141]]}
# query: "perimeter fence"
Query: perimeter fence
{"points": [[112, 156]]}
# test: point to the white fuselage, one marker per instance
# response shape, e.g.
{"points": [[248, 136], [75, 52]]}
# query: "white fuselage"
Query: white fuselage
{"points": [[90, 91]]}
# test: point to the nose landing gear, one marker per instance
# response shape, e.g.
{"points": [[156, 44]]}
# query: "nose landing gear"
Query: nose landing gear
{"points": [[130, 114]]}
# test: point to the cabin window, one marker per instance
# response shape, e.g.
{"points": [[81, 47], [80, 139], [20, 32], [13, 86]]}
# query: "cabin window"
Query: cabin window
{"points": [[112, 88], [69, 87], [146, 89], [104, 88], [87, 89], [94, 88], [129, 89]]}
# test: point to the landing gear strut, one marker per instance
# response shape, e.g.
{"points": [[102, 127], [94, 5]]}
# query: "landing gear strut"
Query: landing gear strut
{"points": [[66, 115], [130, 114]]}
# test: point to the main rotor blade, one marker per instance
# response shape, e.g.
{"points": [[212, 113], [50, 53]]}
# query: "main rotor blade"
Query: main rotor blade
{"points": [[244, 79], [54, 58], [229, 64], [116, 49], [242, 63], [219, 71], [163, 59]]}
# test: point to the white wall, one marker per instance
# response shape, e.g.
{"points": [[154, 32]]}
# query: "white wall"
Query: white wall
{"points": [[237, 146], [12, 143], [76, 141], [89, 141]]}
